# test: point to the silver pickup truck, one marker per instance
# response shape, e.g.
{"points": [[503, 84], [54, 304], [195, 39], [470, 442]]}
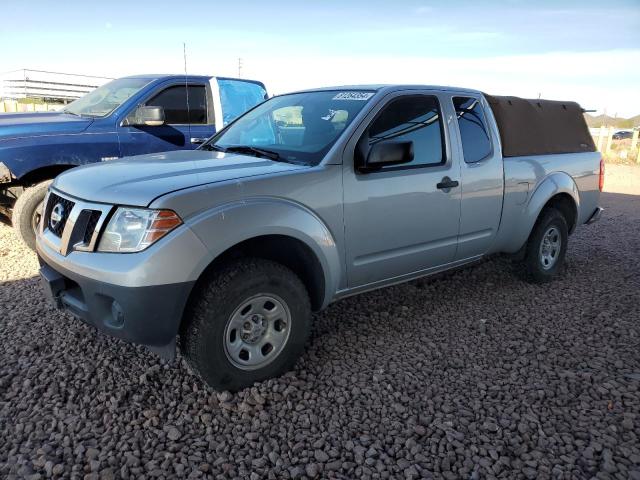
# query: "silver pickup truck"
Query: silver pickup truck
{"points": [[306, 199]]}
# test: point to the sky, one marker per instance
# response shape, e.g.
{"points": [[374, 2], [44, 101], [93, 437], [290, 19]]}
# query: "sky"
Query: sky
{"points": [[566, 50]]}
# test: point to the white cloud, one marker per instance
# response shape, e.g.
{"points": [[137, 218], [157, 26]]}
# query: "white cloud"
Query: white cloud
{"points": [[597, 80], [424, 9]]}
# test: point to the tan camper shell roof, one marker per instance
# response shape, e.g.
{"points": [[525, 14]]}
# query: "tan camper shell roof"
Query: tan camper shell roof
{"points": [[540, 127]]}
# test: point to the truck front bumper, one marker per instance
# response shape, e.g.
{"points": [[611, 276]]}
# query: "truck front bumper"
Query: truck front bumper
{"points": [[144, 315], [138, 297]]}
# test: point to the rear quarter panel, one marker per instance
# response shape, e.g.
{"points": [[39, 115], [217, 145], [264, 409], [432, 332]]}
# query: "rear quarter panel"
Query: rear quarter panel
{"points": [[530, 182]]}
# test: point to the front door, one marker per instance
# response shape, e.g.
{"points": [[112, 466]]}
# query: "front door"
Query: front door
{"points": [[402, 219], [185, 127]]}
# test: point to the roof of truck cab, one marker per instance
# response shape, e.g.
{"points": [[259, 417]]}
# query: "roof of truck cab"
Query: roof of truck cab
{"points": [[174, 76], [155, 76], [391, 88]]}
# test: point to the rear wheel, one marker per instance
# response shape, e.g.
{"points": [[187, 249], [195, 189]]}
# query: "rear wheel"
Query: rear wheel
{"points": [[27, 213], [247, 323], [547, 246]]}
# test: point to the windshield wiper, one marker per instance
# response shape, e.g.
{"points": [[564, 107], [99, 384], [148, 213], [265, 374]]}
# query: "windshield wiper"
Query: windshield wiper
{"points": [[258, 152], [212, 146], [71, 113]]}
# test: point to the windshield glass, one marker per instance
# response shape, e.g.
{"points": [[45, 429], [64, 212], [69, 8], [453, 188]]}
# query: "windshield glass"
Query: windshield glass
{"points": [[299, 127], [105, 99]]}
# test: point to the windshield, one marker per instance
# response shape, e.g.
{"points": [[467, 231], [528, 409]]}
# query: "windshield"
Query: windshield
{"points": [[105, 99], [299, 127]]}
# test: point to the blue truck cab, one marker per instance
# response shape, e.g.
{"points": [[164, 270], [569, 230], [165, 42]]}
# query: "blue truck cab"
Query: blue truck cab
{"points": [[128, 116]]}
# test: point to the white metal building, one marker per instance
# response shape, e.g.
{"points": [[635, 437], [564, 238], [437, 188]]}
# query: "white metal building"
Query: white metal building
{"points": [[48, 86]]}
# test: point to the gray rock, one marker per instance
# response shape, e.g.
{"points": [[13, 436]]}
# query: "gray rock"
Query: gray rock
{"points": [[312, 470], [321, 456], [173, 434], [527, 399]]}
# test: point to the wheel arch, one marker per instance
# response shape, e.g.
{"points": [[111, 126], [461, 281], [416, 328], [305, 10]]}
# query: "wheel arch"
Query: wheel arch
{"points": [[556, 190], [273, 229], [286, 250], [567, 206], [41, 174]]}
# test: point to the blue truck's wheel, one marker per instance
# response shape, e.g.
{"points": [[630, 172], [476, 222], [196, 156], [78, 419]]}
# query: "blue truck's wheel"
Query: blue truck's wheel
{"points": [[27, 212], [247, 322]]}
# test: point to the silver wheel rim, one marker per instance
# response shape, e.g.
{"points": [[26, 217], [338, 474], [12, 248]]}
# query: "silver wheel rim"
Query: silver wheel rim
{"points": [[550, 248], [257, 331], [35, 218]]}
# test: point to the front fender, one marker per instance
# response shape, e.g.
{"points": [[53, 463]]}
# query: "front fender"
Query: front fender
{"points": [[554, 184], [27, 154], [230, 224]]}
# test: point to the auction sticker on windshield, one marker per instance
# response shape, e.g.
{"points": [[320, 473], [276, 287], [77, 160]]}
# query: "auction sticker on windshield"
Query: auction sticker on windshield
{"points": [[353, 96]]}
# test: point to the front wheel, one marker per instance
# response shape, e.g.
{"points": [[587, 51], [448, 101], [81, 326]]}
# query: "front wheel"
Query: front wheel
{"points": [[27, 213], [247, 323], [547, 246]]}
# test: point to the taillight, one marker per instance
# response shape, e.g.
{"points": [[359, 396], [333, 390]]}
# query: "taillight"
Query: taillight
{"points": [[601, 180]]}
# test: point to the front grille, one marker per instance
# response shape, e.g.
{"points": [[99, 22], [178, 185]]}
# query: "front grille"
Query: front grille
{"points": [[60, 208], [92, 222]]}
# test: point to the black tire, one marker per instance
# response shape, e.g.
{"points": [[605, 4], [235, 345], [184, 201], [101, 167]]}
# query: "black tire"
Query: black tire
{"points": [[550, 221], [25, 210], [202, 336]]}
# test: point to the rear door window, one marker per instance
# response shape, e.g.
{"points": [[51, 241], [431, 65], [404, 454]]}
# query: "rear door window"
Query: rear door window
{"points": [[474, 134], [238, 96]]}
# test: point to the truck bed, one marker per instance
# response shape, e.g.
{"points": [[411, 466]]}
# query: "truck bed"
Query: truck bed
{"points": [[526, 178]]}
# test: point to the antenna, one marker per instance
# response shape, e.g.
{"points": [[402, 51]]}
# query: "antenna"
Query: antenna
{"points": [[239, 67], [186, 87]]}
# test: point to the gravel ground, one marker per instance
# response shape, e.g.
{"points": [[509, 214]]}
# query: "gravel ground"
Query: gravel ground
{"points": [[473, 375]]}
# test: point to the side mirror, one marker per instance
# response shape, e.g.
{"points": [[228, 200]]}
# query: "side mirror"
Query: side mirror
{"points": [[388, 153], [148, 116]]}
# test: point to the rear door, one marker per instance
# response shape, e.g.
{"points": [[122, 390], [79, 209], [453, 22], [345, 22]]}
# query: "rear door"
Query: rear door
{"points": [[481, 172], [185, 124], [397, 219]]}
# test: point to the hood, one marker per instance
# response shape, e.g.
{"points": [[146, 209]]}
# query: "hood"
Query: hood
{"points": [[137, 181], [14, 125]]}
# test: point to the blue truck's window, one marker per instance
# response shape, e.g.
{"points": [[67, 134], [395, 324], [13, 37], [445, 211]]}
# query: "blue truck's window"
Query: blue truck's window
{"points": [[174, 101], [238, 96], [414, 119], [476, 143], [105, 99]]}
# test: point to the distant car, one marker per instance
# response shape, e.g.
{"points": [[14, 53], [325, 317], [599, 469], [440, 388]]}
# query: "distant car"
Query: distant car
{"points": [[622, 134]]}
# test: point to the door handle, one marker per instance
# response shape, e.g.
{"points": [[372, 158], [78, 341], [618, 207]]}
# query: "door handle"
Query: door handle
{"points": [[446, 184], [198, 140]]}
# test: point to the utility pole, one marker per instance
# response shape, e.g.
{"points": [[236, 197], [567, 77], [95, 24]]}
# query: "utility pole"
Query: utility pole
{"points": [[239, 67]]}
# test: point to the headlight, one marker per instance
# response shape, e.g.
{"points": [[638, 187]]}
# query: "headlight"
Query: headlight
{"points": [[5, 173], [134, 229]]}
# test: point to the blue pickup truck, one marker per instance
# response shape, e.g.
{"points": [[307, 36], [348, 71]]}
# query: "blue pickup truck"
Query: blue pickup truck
{"points": [[125, 117]]}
